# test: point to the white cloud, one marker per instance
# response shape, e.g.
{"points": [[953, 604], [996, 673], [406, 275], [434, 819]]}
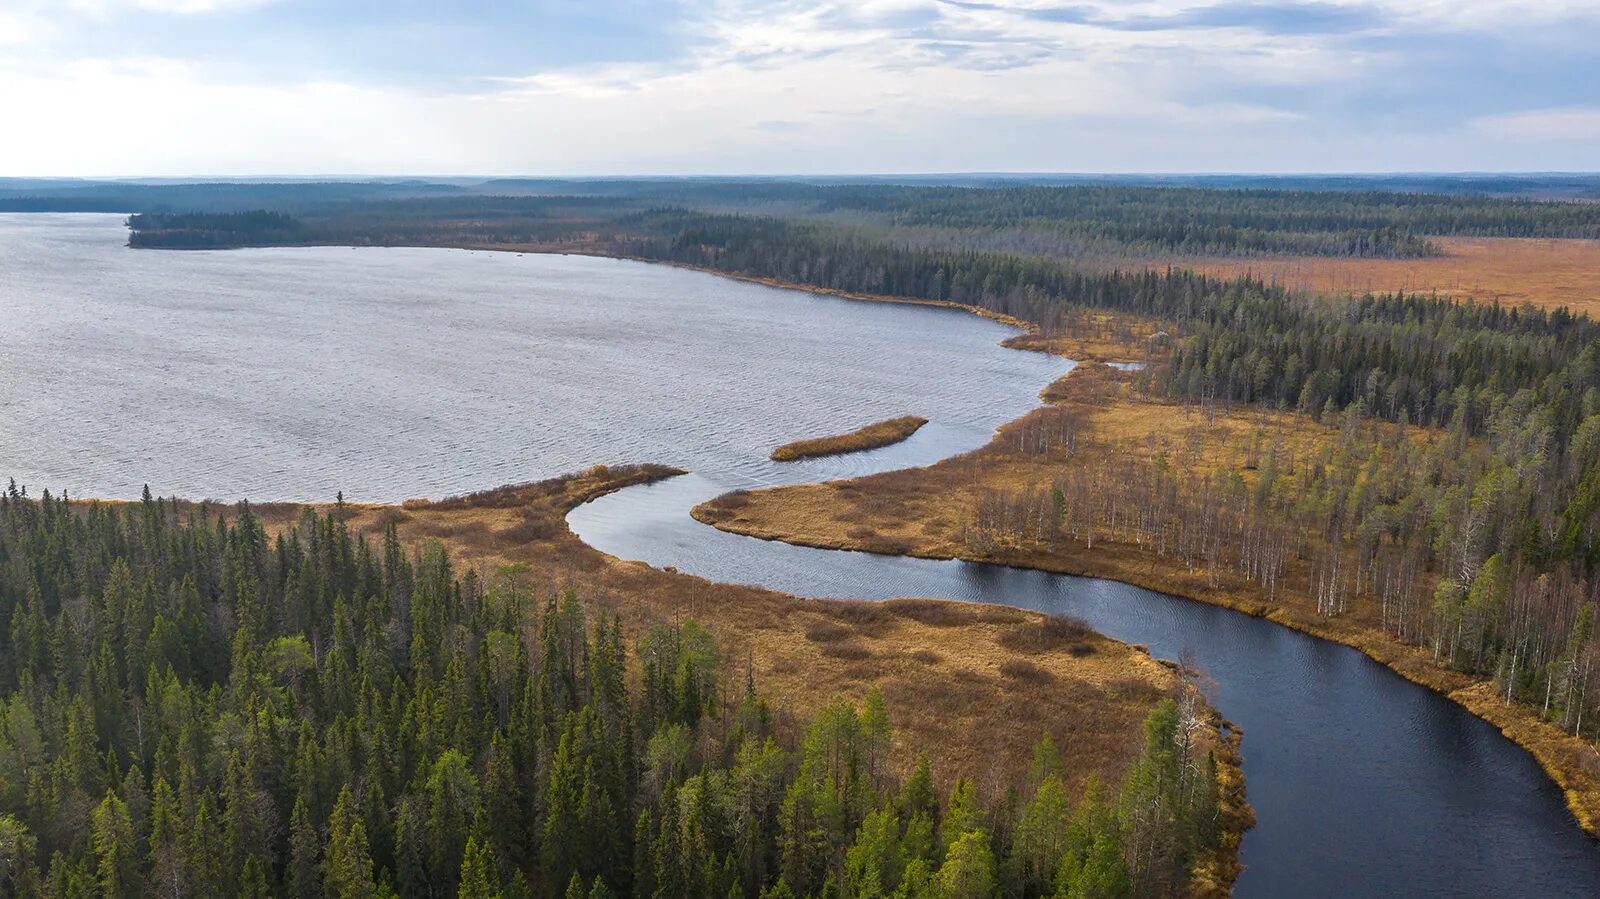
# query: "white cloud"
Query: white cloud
{"points": [[16, 30], [875, 85], [1577, 123], [1469, 14], [176, 7], [47, 26]]}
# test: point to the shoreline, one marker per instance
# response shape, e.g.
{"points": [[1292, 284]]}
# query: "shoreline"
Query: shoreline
{"points": [[1553, 749], [1509, 720], [1027, 327], [1212, 875], [1520, 726]]}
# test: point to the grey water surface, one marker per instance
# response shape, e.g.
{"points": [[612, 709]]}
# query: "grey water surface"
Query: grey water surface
{"points": [[386, 373], [392, 373]]}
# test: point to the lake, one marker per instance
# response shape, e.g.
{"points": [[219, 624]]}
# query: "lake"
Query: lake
{"points": [[293, 374]]}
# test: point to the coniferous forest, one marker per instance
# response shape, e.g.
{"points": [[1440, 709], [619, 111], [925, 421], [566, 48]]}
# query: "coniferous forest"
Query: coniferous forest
{"points": [[193, 706], [210, 230], [1063, 221]]}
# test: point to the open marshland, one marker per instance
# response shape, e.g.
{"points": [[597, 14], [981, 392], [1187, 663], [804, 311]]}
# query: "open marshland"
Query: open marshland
{"points": [[1546, 272]]}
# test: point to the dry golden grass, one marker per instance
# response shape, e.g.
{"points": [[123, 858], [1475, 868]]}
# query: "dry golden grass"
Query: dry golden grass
{"points": [[1098, 335], [926, 512], [1545, 272], [872, 436]]}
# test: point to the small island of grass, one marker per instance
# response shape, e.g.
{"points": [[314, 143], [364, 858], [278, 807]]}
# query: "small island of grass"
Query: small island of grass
{"points": [[872, 436]]}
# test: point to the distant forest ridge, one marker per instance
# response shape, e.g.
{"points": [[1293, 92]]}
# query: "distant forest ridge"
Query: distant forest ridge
{"points": [[1078, 221], [210, 230], [1547, 185]]}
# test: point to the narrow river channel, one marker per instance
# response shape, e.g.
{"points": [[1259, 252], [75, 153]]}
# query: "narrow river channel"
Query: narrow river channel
{"points": [[1364, 784]]}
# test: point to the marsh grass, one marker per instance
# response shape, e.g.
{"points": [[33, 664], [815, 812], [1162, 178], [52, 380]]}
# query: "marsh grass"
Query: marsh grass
{"points": [[1512, 270], [872, 436]]}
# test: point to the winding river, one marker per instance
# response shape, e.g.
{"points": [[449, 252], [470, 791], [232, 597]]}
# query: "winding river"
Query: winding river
{"points": [[390, 373]]}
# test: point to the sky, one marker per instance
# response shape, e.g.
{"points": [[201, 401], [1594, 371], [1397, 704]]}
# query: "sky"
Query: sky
{"points": [[629, 87]]}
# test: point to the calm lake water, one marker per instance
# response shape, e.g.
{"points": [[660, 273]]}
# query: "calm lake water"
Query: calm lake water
{"points": [[396, 373], [392, 373]]}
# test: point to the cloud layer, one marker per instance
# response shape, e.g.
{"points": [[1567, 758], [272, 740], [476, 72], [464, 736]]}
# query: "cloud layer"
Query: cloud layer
{"points": [[187, 87]]}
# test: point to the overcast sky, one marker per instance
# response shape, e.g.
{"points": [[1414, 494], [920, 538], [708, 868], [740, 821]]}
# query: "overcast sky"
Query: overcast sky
{"points": [[592, 87]]}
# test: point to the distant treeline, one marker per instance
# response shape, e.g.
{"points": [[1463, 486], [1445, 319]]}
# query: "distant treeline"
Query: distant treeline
{"points": [[1550, 186], [17, 195], [1105, 220], [1111, 219], [1192, 221], [211, 230], [416, 221], [1424, 357]]}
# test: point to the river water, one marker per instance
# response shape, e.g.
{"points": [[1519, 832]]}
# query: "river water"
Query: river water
{"points": [[393, 373]]}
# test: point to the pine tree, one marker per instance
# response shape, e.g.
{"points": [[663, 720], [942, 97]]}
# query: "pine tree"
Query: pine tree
{"points": [[479, 879], [253, 880], [116, 849], [968, 871], [242, 826], [874, 862], [503, 803], [452, 806], [963, 815], [1040, 839], [347, 865], [18, 876], [1102, 874], [302, 876]]}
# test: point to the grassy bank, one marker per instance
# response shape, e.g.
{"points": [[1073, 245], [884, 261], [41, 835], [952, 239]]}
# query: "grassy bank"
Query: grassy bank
{"points": [[883, 433], [929, 512]]}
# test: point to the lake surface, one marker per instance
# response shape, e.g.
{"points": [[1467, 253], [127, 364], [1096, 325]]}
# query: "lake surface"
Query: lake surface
{"points": [[391, 373]]}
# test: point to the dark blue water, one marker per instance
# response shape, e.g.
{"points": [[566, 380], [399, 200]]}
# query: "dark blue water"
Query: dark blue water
{"points": [[1363, 783]]}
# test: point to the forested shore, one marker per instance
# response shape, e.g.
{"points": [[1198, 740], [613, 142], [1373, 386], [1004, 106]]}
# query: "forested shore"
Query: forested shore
{"points": [[195, 705]]}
